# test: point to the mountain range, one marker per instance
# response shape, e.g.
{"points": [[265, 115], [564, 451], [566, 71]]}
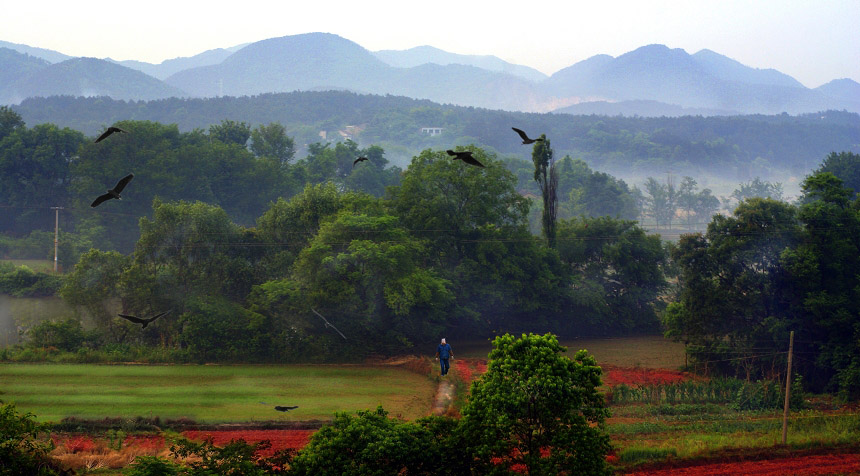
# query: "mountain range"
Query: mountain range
{"points": [[653, 80]]}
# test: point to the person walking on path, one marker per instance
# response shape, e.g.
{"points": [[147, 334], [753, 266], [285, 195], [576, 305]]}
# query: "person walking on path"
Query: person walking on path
{"points": [[443, 353]]}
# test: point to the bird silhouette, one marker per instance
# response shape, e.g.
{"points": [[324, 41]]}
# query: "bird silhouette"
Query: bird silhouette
{"points": [[360, 159], [142, 322], [465, 156], [114, 192], [285, 409], [525, 138], [110, 130]]}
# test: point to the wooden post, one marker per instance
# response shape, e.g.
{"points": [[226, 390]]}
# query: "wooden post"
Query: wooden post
{"points": [[787, 388]]}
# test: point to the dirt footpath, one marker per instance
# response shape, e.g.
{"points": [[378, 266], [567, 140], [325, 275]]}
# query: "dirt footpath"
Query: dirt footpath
{"points": [[444, 396]]}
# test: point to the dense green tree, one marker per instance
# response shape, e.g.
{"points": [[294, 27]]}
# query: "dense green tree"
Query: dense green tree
{"points": [[508, 280], [10, 121], [823, 269], [289, 225], [447, 200], [272, 141], [619, 269], [231, 132], [36, 173], [373, 176], [367, 270], [537, 408], [734, 297], [215, 329], [585, 192], [188, 249], [844, 165]]}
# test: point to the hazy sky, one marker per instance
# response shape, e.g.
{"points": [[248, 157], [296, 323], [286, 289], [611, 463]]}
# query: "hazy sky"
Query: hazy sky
{"points": [[813, 41]]}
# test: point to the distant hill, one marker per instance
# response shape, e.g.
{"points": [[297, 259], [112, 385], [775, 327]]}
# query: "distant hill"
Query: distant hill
{"points": [[637, 108], [653, 79], [725, 68], [317, 61], [91, 77], [170, 67], [845, 89], [706, 80], [465, 86], [50, 56], [289, 63], [421, 55], [13, 67]]}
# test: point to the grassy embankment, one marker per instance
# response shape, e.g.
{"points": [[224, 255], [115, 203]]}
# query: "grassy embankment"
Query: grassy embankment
{"points": [[43, 265]]}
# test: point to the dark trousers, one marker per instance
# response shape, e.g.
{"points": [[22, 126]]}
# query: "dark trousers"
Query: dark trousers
{"points": [[445, 366]]}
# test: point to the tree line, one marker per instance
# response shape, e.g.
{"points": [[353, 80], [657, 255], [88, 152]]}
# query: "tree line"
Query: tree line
{"points": [[772, 268], [243, 169], [446, 251], [733, 147]]}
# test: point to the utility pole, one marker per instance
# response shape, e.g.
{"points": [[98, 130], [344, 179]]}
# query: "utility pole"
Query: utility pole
{"points": [[787, 388], [56, 233]]}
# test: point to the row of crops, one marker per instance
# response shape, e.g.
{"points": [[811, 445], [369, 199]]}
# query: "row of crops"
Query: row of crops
{"points": [[738, 394]]}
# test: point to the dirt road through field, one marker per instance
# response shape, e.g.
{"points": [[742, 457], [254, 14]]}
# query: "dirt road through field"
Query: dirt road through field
{"points": [[444, 396]]}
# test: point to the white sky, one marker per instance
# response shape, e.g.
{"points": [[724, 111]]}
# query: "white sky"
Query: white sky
{"points": [[814, 41]]}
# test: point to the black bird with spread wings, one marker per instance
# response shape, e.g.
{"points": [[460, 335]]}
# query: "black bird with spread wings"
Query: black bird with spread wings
{"points": [[142, 322], [465, 156], [285, 409], [524, 137], [110, 130], [360, 159], [114, 192]]}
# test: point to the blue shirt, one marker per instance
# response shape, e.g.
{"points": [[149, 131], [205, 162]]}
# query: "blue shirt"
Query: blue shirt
{"points": [[444, 351]]}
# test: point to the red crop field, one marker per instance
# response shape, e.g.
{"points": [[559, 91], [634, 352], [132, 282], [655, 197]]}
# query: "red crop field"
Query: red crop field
{"points": [[469, 369], [280, 439], [635, 376], [813, 465], [74, 443]]}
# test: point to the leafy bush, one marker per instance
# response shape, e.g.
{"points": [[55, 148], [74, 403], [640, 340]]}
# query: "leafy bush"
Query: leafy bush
{"points": [[66, 335], [369, 443], [152, 466], [24, 282], [21, 449]]}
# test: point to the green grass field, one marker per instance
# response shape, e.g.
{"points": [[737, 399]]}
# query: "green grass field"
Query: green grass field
{"points": [[212, 393]]}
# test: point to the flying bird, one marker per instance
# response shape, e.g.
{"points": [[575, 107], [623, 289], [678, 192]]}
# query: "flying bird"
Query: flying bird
{"points": [[328, 324], [285, 409], [142, 322], [360, 159], [525, 138], [465, 156], [110, 130], [114, 192]]}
